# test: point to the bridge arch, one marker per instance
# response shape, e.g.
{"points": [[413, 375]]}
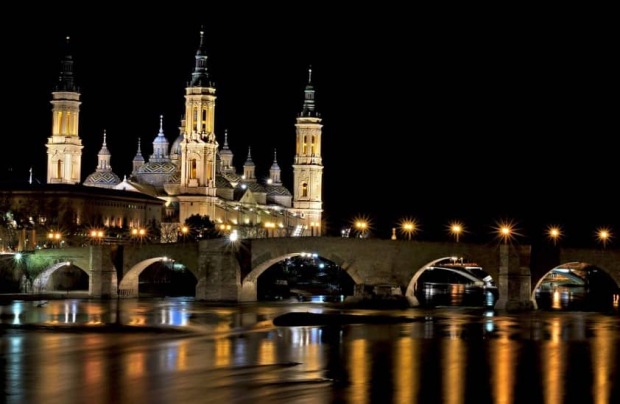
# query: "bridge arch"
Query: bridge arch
{"points": [[129, 284], [609, 279], [41, 282], [249, 283]]}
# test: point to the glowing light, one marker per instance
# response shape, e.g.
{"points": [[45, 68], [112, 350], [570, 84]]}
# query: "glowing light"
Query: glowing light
{"points": [[409, 227], [554, 233], [604, 235], [362, 226], [506, 230], [456, 228]]}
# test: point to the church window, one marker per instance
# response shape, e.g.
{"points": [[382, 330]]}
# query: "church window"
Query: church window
{"points": [[59, 168], [192, 169], [305, 145], [312, 151], [304, 190], [195, 118]]}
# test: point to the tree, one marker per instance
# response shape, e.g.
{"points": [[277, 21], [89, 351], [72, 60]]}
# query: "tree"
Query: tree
{"points": [[201, 227]]}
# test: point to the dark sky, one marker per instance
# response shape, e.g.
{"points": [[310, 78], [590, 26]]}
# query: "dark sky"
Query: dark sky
{"points": [[439, 115]]}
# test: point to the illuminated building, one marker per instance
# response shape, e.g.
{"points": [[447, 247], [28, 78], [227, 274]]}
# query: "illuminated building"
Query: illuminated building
{"points": [[193, 175]]}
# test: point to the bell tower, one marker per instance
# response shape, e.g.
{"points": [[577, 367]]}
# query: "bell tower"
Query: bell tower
{"points": [[307, 165], [64, 147], [199, 146]]}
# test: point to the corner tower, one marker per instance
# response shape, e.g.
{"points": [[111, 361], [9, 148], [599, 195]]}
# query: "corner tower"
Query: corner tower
{"points": [[199, 147], [64, 147], [307, 165]]}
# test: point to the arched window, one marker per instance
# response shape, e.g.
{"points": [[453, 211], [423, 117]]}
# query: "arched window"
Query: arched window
{"points": [[195, 119], [192, 168], [204, 120], [304, 190], [305, 145], [312, 150], [59, 168]]}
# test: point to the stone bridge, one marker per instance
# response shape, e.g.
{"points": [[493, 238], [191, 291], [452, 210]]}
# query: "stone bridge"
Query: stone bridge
{"points": [[229, 271]]}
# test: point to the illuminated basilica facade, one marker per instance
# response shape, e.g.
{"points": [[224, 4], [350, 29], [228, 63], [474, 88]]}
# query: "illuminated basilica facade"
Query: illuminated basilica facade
{"points": [[194, 174]]}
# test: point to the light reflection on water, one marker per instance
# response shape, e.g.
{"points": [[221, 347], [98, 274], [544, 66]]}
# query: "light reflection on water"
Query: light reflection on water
{"points": [[64, 351]]}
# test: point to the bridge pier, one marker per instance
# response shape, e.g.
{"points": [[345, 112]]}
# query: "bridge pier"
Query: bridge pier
{"points": [[515, 279], [103, 281]]}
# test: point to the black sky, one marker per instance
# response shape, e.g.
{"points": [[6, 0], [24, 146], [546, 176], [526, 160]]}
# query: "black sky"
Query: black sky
{"points": [[471, 115]]}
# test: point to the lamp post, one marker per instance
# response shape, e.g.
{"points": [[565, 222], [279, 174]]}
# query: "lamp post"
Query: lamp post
{"points": [[409, 227], [96, 236], [184, 231], [138, 234], [554, 233], [55, 238], [362, 227], [604, 236], [456, 228]]}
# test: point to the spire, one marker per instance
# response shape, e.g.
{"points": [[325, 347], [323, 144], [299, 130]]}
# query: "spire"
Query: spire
{"points": [[309, 109], [66, 82], [249, 169], [274, 171], [104, 156], [160, 144], [200, 76], [104, 148], [249, 161], [139, 156]]}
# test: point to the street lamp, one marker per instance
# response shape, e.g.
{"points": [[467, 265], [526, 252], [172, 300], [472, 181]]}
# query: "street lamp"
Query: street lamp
{"points": [[409, 227], [54, 238], [361, 225], [505, 232], [138, 234], [604, 235], [554, 233], [184, 231], [96, 236], [456, 228]]}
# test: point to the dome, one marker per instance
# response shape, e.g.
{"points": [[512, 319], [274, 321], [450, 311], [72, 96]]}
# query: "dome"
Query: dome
{"points": [[155, 173], [277, 190], [176, 145], [174, 178], [164, 167], [102, 179]]}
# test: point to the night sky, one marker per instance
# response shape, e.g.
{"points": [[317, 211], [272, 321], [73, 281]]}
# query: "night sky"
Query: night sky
{"points": [[478, 116]]}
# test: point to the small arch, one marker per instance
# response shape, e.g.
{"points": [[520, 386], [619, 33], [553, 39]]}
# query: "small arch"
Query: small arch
{"points": [[42, 282], [129, 284]]}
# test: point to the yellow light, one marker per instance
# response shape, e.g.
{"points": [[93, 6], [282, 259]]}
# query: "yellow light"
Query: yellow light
{"points": [[456, 228], [506, 231], [604, 235], [409, 227], [554, 233]]}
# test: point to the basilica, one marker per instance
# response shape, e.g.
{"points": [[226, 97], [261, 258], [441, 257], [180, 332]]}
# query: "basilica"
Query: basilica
{"points": [[194, 174]]}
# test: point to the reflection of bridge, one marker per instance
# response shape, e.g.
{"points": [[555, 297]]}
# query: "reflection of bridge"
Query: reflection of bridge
{"points": [[229, 271]]}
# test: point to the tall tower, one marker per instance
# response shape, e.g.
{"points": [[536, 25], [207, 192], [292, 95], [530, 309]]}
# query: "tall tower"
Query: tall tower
{"points": [[64, 147], [307, 165], [199, 147]]}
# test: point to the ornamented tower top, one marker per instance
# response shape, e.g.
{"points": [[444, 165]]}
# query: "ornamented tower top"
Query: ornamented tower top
{"points": [[64, 147]]}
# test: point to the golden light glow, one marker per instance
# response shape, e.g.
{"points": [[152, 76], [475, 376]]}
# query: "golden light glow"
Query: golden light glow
{"points": [[362, 226], [554, 233], [506, 230], [409, 227], [604, 235], [456, 228]]}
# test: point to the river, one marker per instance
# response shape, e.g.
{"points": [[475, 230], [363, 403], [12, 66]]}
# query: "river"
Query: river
{"points": [[185, 351]]}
